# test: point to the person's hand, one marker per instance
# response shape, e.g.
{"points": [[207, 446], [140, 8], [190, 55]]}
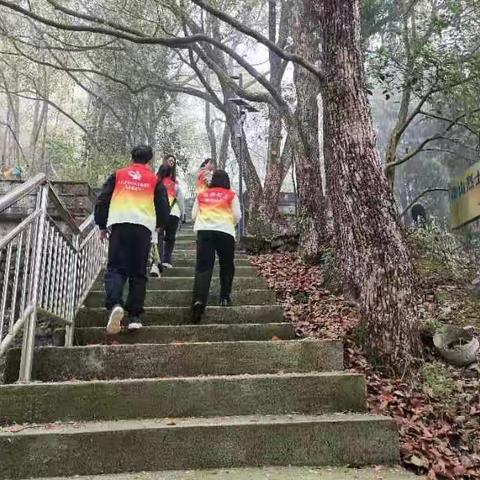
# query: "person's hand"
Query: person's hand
{"points": [[104, 235]]}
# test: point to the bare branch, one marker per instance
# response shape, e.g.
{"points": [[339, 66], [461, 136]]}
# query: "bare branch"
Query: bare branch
{"points": [[14, 135], [431, 139], [259, 38], [418, 197]]}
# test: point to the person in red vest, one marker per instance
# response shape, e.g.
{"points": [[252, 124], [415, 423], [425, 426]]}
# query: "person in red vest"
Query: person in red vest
{"points": [[216, 212], [167, 236], [132, 205]]}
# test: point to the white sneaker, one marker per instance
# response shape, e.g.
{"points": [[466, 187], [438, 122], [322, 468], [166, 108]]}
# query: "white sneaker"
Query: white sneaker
{"points": [[167, 265], [114, 324], [155, 271], [134, 326]]}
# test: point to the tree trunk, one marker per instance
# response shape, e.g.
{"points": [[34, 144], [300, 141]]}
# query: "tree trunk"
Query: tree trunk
{"points": [[39, 120], [370, 245], [400, 124], [44, 161], [268, 215], [6, 134], [310, 198], [223, 155], [252, 185], [212, 139]]}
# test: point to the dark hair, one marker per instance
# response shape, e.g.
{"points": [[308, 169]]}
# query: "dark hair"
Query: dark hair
{"points": [[204, 163], [220, 179], [170, 155], [165, 171], [174, 168], [142, 154]]}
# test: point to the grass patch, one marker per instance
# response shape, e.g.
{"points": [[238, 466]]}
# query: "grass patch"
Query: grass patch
{"points": [[438, 381]]}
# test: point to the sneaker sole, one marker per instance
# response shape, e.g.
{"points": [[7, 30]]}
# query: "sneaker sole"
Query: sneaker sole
{"points": [[114, 325], [134, 329]]}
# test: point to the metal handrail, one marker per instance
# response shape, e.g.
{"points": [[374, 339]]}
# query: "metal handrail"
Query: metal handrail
{"points": [[21, 191], [44, 269]]}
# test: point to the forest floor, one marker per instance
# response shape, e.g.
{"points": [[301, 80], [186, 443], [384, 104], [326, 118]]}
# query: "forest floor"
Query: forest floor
{"points": [[437, 409]]}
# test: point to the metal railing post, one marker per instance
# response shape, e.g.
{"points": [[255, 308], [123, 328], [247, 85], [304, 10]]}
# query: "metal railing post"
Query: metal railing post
{"points": [[29, 331], [70, 329]]}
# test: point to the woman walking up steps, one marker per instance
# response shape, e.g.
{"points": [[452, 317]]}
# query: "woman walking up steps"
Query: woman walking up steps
{"points": [[216, 212], [167, 235]]}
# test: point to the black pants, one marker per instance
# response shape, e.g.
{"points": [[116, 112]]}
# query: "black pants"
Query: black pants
{"points": [[209, 242], [128, 250], [166, 239]]}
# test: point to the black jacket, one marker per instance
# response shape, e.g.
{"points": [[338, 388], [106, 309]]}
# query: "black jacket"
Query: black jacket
{"points": [[162, 207]]}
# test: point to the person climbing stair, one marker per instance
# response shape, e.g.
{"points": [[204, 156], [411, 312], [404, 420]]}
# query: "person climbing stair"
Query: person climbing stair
{"points": [[216, 212], [132, 205], [167, 235]]}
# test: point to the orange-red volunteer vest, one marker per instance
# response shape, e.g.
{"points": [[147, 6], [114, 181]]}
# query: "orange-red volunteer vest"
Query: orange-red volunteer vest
{"points": [[171, 187], [215, 210], [133, 197]]}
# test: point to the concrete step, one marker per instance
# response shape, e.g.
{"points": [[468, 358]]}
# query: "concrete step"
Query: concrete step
{"points": [[97, 317], [182, 333], [189, 271], [312, 393], [195, 443], [183, 298], [101, 362], [267, 473], [190, 260], [186, 239], [190, 250], [190, 245], [186, 283]]}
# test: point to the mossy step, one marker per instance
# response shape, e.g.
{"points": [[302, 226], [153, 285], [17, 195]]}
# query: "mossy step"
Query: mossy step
{"points": [[190, 261], [191, 251], [186, 283], [102, 362], [196, 443], [189, 271], [97, 317], [182, 333], [183, 298], [268, 473], [311, 393]]}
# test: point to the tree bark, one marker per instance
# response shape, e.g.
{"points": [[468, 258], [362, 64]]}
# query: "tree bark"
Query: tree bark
{"points": [[268, 215], [223, 154], [369, 241], [212, 139], [310, 198], [399, 128]]}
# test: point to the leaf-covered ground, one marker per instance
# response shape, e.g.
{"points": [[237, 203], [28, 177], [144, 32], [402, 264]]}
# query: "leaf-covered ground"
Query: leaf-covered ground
{"points": [[438, 410]]}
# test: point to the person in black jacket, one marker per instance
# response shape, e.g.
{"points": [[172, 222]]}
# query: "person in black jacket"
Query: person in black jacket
{"points": [[131, 206]]}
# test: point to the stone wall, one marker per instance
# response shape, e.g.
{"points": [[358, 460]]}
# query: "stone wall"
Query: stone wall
{"points": [[77, 197]]}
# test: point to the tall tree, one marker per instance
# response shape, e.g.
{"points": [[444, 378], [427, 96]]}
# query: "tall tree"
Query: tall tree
{"points": [[370, 246], [303, 139]]}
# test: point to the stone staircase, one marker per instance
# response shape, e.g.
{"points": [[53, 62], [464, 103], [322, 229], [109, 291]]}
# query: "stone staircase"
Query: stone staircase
{"points": [[236, 391]]}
